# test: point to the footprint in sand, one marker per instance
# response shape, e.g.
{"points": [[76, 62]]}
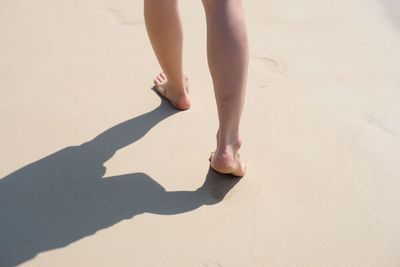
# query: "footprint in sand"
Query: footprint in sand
{"points": [[380, 124], [123, 19], [272, 65]]}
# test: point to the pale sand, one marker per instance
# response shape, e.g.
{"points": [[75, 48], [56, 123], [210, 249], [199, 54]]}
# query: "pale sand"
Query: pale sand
{"points": [[321, 137]]}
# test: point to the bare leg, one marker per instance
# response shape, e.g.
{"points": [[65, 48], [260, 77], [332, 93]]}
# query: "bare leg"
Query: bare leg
{"points": [[165, 32], [227, 48]]}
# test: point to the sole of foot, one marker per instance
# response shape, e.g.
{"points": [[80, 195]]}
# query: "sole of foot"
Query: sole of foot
{"points": [[178, 100], [227, 165]]}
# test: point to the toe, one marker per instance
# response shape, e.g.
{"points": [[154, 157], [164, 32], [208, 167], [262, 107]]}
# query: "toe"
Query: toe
{"points": [[160, 89], [160, 80], [211, 156]]}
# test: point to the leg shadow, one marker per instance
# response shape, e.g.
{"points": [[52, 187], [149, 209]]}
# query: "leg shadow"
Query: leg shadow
{"points": [[64, 197]]}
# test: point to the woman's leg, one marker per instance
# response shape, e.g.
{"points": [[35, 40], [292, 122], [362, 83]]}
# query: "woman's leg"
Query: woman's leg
{"points": [[165, 32], [227, 48]]}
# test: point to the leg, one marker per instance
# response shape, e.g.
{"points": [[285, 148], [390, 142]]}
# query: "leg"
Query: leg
{"points": [[227, 48], [165, 32]]}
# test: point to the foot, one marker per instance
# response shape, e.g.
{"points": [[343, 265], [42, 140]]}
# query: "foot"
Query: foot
{"points": [[179, 99], [227, 160]]}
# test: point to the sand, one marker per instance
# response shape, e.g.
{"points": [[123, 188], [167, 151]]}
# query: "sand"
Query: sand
{"points": [[95, 170]]}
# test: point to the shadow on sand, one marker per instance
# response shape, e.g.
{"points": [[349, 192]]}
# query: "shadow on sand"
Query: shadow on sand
{"points": [[63, 197]]}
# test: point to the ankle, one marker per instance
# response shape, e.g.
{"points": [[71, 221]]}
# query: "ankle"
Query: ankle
{"points": [[178, 86], [226, 145]]}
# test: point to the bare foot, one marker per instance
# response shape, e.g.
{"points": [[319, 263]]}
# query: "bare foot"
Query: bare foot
{"points": [[179, 99], [227, 161]]}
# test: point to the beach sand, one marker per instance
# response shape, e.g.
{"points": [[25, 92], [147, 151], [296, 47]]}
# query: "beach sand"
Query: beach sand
{"points": [[96, 170]]}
